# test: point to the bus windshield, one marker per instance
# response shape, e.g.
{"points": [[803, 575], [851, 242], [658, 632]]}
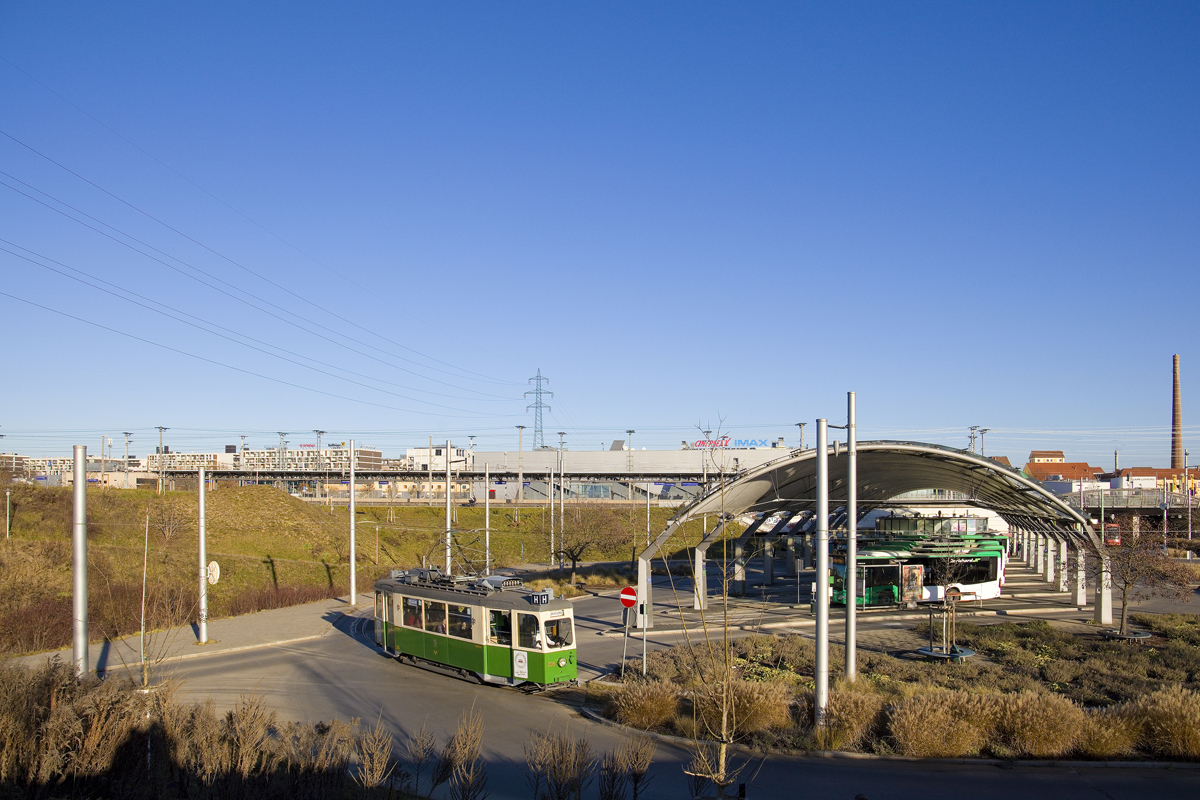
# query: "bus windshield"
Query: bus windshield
{"points": [[558, 633]]}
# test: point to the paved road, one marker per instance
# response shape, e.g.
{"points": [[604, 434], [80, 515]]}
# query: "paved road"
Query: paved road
{"points": [[343, 674]]}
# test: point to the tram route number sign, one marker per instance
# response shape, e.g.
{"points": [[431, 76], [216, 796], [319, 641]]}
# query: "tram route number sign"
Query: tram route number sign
{"points": [[629, 597]]}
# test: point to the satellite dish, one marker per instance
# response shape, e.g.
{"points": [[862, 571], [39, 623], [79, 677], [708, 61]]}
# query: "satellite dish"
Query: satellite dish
{"points": [[214, 572]]}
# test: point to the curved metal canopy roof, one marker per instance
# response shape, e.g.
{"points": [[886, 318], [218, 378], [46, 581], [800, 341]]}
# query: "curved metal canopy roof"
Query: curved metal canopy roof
{"points": [[887, 469]]}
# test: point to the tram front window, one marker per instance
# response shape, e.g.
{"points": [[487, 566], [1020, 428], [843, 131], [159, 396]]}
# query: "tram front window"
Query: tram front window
{"points": [[528, 632], [558, 632], [499, 627]]}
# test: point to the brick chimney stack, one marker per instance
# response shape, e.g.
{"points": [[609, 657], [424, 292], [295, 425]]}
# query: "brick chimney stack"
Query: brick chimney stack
{"points": [[1176, 424]]}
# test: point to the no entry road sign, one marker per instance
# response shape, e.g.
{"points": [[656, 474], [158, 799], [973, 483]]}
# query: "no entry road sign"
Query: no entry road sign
{"points": [[629, 597]]}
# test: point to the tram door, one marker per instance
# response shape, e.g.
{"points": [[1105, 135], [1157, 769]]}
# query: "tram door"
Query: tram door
{"points": [[529, 640], [390, 601], [382, 602]]}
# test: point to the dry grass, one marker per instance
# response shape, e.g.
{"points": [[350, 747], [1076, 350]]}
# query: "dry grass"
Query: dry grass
{"points": [[933, 725], [1038, 725], [110, 739], [648, 705], [749, 708], [1107, 733], [1169, 722]]}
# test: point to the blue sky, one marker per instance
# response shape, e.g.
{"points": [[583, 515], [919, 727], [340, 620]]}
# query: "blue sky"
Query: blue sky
{"points": [[686, 215]]}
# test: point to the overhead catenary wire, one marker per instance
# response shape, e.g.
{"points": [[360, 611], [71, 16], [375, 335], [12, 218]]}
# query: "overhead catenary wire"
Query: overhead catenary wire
{"points": [[238, 212], [223, 256], [227, 366], [226, 283], [200, 325]]}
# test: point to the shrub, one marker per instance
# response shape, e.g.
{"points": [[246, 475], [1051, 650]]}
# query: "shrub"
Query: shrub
{"points": [[1039, 725], [1169, 720], [931, 726], [648, 705], [753, 707], [264, 598], [1107, 733]]}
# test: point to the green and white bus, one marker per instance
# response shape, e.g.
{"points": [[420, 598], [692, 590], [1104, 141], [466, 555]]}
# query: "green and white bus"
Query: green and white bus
{"points": [[917, 568]]}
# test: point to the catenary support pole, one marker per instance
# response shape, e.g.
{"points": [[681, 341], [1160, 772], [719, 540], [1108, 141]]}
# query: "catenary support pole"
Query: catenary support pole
{"points": [[203, 595], [449, 521], [851, 581], [520, 471], [487, 519], [562, 502], [550, 492], [79, 615], [353, 522], [821, 583]]}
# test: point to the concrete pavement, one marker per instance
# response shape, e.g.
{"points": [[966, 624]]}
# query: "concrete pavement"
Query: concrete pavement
{"points": [[228, 635]]}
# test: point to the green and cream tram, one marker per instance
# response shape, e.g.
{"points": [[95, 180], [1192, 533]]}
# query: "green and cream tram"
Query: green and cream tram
{"points": [[492, 628]]}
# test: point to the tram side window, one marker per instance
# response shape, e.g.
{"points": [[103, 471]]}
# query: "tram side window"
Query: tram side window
{"points": [[435, 617], [499, 627], [558, 632], [412, 612], [528, 634], [461, 622], [379, 605]]}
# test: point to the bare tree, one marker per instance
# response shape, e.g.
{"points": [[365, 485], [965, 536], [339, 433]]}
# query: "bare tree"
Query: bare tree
{"points": [[169, 520], [588, 529], [1141, 570]]}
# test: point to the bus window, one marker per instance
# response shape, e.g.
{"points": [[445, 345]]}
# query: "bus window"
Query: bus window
{"points": [[435, 617], [839, 577], [528, 635], [412, 612], [461, 623], [558, 632], [499, 627]]}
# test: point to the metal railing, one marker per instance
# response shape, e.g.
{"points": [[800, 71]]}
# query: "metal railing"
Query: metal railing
{"points": [[1127, 498]]}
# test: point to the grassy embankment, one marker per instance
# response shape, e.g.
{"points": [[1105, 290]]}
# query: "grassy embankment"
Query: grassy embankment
{"points": [[274, 550], [1035, 691]]}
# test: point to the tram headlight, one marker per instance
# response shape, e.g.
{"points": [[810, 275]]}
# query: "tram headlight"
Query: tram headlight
{"points": [[562, 662]]}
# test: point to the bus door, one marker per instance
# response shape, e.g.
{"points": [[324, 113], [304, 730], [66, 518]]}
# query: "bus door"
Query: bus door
{"points": [[528, 645], [881, 585]]}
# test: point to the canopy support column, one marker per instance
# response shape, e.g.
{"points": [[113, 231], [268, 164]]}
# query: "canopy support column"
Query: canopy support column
{"points": [[1048, 561], [699, 576], [1079, 584], [1062, 565], [1102, 614]]}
